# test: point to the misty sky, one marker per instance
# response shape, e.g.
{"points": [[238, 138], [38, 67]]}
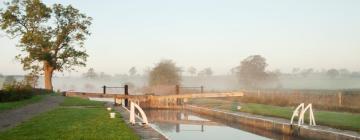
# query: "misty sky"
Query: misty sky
{"points": [[218, 34]]}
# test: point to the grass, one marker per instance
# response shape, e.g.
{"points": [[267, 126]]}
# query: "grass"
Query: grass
{"points": [[73, 124], [341, 120], [76, 101], [17, 104]]}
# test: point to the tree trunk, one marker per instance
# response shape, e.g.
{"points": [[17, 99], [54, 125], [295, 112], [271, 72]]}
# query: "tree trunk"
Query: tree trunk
{"points": [[48, 72]]}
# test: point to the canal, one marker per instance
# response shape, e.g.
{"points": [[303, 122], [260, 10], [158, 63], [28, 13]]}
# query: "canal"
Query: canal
{"points": [[185, 125]]}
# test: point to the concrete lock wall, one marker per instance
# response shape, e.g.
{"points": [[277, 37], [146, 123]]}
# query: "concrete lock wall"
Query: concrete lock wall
{"points": [[305, 132]]}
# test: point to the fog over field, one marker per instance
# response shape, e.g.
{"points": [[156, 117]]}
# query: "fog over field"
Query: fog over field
{"points": [[210, 83]]}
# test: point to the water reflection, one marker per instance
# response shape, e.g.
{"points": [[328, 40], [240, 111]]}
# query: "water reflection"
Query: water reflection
{"points": [[184, 125]]}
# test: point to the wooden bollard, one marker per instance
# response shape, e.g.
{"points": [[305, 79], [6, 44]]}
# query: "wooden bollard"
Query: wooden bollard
{"points": [[126, 91]]}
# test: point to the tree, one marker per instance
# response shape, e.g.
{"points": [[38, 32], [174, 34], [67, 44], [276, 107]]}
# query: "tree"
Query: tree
{"points": [[192, 70], [164, 73], [9, 80], [307, 72], [103, 75], [50, 37], [206, 72], [295, 70], [233, 71], [332, 73], [344, 72], [251, 71], [90, 74], [31, 79], [132, 71]]}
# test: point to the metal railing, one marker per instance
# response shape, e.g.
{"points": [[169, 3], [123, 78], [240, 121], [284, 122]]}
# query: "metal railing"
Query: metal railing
{"points": [[134, 106], [300, 112]]}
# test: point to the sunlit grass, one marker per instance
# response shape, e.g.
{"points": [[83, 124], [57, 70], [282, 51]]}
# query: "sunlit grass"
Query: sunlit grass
{"points": [[69, 123], [76, 101]]}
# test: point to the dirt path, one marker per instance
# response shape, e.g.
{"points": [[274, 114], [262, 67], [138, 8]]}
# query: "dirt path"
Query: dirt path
{"points": [[11, 118]]}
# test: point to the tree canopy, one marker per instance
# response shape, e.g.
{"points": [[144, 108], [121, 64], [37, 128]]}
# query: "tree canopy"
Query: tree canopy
{"points": [[165, 73], [132, 71], [50, 37], [252, 71]]}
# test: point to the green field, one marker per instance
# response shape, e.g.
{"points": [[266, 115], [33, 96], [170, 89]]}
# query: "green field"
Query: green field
{"points": [[12, 105], [81, 122], [341, 120]]}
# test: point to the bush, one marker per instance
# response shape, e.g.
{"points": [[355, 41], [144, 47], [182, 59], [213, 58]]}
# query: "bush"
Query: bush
{"points": [[15, 91]]}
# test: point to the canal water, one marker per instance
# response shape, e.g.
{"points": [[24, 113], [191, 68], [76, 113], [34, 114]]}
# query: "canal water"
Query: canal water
{"points": [[185, 125]]}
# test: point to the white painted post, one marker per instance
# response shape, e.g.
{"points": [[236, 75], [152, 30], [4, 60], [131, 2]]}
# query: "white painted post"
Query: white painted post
{"points": [[132, 113], [339, 99]]}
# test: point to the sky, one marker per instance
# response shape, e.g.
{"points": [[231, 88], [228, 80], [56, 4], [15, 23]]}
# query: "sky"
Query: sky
{"points": [[319, 34]]}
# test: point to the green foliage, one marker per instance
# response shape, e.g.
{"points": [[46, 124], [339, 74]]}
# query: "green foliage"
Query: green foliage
{"points": [[50, 35], [164, 73], [234, 105], [31, 79], [15, 91], [72, 124]]}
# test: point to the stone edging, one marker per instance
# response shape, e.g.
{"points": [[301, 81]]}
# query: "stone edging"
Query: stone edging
{"points": [[145, 132], [307, 132]]}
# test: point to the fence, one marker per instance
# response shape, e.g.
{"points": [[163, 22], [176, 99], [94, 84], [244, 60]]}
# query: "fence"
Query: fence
{"points": [[347, 100]]}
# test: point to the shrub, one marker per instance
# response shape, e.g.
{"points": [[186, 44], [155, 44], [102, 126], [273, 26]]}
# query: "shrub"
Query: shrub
{"points": [[15, 91]]}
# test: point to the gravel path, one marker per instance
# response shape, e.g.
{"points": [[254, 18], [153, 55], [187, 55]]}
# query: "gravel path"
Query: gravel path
{"points": [[11, 118]]}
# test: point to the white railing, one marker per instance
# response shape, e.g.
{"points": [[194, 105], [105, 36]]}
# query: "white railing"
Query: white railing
{"points": [[301, 113], [132, 113]]}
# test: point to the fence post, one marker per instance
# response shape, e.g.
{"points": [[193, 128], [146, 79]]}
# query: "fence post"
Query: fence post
{"points": [[202, 89], [104, 89], [339, 99], [126, 91], [177, 92]]}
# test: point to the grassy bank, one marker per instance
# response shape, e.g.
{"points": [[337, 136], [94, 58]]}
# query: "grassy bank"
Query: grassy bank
{"points": [[76, 101], [73, 120], [16, 104], [341, 120]]}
